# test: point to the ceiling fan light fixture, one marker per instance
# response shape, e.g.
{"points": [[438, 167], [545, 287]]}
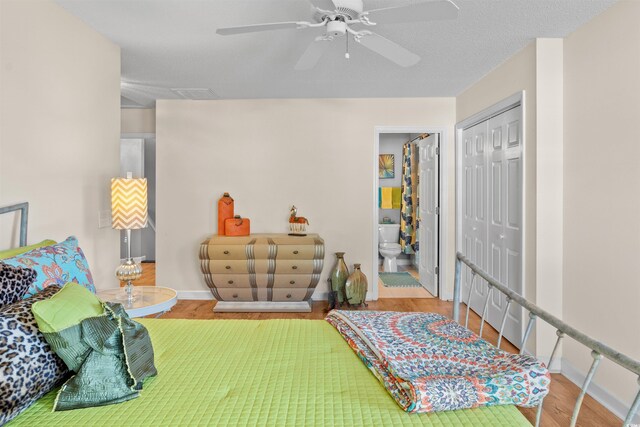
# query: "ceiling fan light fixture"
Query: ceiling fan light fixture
{"points": [[336, 28]]}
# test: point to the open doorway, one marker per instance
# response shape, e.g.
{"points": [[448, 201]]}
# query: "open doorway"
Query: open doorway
{"points": [[138, 157], [407, 213]]}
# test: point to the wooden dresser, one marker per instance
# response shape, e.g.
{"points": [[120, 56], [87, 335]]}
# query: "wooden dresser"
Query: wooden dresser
{"points": [[262, 272]]}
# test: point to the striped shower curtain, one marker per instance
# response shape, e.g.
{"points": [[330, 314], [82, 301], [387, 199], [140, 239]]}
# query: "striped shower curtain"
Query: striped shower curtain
{"points": [[408, 210]]}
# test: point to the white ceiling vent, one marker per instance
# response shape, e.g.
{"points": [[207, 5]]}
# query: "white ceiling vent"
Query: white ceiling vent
{"points": [[195, 93]]}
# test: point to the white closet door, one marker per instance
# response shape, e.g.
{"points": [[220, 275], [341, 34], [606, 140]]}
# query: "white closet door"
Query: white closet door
{"points": [[428, 213], [491, 186], [505, 219], [474, 209]]}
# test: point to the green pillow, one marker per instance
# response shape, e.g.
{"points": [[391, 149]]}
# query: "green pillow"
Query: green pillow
{"points": [[10, 253], [68, 307]]}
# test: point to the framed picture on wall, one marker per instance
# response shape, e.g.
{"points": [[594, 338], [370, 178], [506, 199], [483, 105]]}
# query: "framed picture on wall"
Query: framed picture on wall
{"points": [[386, 166]]}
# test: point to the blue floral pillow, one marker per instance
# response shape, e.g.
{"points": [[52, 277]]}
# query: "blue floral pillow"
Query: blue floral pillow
{"points": [[57, 264]]}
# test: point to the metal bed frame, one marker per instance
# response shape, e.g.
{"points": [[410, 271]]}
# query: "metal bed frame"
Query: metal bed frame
{"points": [[24, 218], [598, 349]]}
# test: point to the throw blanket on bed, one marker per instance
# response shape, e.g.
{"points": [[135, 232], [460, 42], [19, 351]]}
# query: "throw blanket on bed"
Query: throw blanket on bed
{"points": [[430, 363], [111, 355]]}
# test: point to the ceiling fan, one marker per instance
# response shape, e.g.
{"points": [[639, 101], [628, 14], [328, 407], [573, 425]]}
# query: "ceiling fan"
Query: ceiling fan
{"points": [[337, 17]]}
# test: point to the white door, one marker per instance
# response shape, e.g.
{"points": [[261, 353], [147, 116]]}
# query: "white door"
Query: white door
{"points": [[490, 229], [474, 214], [428, 212], [505, 219]]}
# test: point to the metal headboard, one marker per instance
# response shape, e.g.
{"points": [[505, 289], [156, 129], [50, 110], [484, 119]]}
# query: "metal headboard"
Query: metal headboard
{"points": [[598, 349], [24, 218]]}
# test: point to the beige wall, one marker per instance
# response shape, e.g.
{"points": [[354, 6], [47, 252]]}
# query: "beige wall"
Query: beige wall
{"points": [[516, 74], [269, 154], [602, 189], [536, 70], [60, 125], [138, 120]]}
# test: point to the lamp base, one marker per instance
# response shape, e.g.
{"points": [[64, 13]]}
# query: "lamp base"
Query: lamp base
{"points": [[128, 294]]}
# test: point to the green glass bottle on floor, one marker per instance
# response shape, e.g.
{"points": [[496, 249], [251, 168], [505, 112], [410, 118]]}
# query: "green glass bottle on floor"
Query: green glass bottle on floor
{"points": [[356, 287], [339, 276]]}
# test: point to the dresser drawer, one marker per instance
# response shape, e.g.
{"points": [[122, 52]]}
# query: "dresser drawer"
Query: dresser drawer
{"points": [[291, 280], [228, 266], [289, 294], [223, 252], [231, 280], [303, 252], [289, 266], [235, 294]]}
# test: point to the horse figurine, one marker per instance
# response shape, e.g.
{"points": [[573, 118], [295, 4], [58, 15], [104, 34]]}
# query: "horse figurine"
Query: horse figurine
{"points": [[297, 224]]}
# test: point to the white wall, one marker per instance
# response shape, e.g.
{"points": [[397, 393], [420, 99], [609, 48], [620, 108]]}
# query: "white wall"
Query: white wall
{"points": [[602, 189], [270, 154], [59, 128]]}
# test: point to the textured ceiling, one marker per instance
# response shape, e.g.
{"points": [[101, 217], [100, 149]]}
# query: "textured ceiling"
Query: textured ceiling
{"points": [[173, 44]]}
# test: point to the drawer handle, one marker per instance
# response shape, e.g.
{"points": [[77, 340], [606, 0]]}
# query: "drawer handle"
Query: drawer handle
{"points": [[226, 252], [235, 295], [288, 295], [295, 252], [292, 282], [230, 282], [228, 267], [295, 267]]}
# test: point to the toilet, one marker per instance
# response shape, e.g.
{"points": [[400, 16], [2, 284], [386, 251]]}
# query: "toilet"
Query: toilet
{"points": [[388, 246]]}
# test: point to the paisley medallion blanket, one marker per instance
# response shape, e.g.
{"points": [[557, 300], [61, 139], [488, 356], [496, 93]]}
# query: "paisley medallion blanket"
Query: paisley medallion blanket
{"points": [[429, 363]]}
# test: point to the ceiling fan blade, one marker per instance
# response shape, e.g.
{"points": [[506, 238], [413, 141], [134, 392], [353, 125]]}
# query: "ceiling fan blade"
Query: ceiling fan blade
{"points": [[415, 12], [390, 50], [327, 5], [258, 27], [312, 55]]}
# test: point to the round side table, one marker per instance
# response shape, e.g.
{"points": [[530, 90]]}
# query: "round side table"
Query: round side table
{"points": [[149, 300]]}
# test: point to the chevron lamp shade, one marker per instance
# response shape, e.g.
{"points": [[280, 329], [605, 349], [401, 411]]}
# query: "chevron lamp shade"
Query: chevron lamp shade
{"points": [[128, 203]]}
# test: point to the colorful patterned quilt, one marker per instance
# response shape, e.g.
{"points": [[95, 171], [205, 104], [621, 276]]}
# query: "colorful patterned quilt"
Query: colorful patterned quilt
{"points": [[429, 363]]}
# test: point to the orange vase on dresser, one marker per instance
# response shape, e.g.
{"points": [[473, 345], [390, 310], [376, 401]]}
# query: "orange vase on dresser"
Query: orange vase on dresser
{"points": [[225, 211]]}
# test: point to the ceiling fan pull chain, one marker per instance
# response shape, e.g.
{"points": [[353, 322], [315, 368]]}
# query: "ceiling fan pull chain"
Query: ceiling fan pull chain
{"points": [[346, 55]]}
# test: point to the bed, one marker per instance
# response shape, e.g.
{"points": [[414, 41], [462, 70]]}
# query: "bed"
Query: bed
{"points": [[262, 373]]}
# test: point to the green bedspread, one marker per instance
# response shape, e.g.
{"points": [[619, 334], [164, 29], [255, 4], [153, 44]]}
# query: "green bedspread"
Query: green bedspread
{"points": [[255, 372]]}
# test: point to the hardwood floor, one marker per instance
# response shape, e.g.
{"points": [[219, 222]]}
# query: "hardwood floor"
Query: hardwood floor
{"points": [[558, 405]]}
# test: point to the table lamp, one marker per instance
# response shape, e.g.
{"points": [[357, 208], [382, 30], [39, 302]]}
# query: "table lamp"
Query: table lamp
{"points": [[128, 212]]}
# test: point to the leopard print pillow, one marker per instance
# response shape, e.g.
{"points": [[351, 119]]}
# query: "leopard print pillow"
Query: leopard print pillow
{"points": [[14, 282], [28, 366]]}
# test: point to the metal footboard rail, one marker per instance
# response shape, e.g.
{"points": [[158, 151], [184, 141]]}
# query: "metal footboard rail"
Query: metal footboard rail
{"points": [[598, 349], [24, 218]]}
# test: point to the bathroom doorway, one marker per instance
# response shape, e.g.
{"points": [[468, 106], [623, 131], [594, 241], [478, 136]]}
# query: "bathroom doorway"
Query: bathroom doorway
{"points": [[407, 212]]}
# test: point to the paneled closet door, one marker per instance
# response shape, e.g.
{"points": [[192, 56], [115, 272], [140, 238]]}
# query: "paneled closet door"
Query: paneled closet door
{"points": [[474, 209], [505, 217]]}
